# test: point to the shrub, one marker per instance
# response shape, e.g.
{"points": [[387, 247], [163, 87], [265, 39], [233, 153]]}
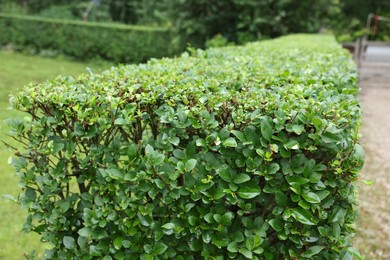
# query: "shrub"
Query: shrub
{"points": [[236, 152], [87, 40]]}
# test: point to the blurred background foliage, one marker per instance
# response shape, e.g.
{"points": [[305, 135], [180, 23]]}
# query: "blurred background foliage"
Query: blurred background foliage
{"points": [[237, 21]]}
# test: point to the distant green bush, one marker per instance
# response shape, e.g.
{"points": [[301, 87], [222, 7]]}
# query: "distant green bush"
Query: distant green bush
{"points": [[87, 40], [236, 152]]}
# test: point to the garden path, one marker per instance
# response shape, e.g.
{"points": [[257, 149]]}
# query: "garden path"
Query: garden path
{"points": [[374, 219]]}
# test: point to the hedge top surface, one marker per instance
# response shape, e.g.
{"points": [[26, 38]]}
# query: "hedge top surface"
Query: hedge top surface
{"points": [[290, 75], [117, 26], [298, 69], [237, 152]]}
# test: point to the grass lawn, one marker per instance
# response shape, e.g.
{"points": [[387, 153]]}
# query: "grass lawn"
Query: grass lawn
{"points": [[16, 70]]}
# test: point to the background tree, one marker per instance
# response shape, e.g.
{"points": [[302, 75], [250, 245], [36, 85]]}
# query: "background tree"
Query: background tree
{"points": [[236, 20]]}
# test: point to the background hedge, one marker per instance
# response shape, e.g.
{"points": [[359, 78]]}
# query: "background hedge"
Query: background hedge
{"points": [[238, 152], [87, 40]]}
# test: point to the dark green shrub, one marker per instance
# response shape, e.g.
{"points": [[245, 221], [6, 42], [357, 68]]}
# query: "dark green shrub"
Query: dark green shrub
{"points": [[115, 42], [237, 152]]}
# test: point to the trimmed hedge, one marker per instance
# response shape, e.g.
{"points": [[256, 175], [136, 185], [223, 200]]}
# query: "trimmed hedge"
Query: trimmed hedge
{"points": [[237, 152], [87, 40]]}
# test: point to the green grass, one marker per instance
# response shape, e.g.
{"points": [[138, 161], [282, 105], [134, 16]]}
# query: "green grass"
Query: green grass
{"points": [[17, 70]]}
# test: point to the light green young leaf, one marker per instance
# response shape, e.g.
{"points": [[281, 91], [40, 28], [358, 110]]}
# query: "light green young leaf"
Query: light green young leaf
{"points": [[230, 142]]}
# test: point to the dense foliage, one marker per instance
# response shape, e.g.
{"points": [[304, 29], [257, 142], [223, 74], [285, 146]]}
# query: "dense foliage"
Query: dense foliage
{"points": [[236, 20], [237, 152], [349, 20], [115, 42]]}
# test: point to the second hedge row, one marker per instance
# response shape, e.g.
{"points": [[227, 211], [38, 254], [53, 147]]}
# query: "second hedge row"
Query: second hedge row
{"points": [[87, 40]]}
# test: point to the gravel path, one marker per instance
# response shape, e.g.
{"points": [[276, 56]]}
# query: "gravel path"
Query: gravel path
{"points": [[373, 236]]}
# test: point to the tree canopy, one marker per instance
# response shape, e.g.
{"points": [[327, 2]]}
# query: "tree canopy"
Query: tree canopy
{"points": [[200, 20]]}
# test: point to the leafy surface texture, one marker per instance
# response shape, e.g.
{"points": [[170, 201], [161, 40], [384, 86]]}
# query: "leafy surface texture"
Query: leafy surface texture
{"points": [[248, 152]]}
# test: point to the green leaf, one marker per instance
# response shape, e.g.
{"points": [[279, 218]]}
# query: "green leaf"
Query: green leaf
{"points": [[245, 252], [353, 251], [149, 150], [266, 128], [174, 140], [248, 192], [192, 220], [188, 207], [311, 197], [179, 154], [239, 135], [31, 194], [359, 153], [338, 215], [237, 236], [273, 168], [226, 219], [69, 242], [190, 165], [209, 217], [217, 218], [180, 167], [295, 187], [281, 198], [148, 248], [297, 180], [168, 226], [82, 242], [232, 247], [224, 173], [328, 138], [241, 178], [118, 243], [276, 224], [146, 257], [63, 205], [160, 248], [115, 174], [201, 142], [303, 216], [78, 129], [58, 147], [298, 129], [126, 243], [230, 142], [85, 232], [317, 122], [94, 251], [312, 251], [120, 121], [292, 144]]}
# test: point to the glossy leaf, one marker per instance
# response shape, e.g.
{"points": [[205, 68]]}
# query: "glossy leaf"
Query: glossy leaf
{"points": [[303, 216], [312, 251], [248, 192]]}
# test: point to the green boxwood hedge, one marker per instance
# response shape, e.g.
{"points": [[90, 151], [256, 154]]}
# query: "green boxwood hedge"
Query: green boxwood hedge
{"points": [[87, 40], [236, 152]]}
